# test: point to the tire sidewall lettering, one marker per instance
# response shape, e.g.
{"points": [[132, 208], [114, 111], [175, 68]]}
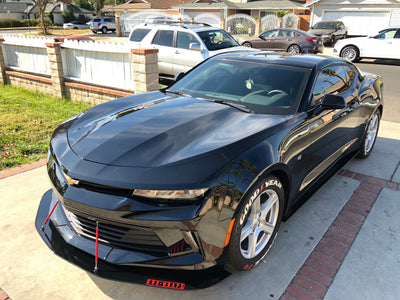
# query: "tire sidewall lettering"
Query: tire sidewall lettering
{"points": [[253, 197]]}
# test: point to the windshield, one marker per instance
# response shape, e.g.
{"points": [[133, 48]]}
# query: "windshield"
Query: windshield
{"points": [[260, 87], [217, 39], [325, 25]]}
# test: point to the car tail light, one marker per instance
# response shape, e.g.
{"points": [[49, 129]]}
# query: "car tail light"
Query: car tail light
{"points": [[313, 40], [99, 24]]}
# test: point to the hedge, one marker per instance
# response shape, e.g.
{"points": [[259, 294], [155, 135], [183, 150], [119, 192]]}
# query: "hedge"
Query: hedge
{"points": [[7, 23]]}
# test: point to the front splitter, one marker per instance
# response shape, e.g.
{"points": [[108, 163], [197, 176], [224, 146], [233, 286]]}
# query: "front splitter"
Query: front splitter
{"points": [[150, 276]]}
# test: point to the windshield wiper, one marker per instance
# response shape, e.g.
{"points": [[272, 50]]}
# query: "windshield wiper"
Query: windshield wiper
{"points": [[179, 93], [231, 104]]}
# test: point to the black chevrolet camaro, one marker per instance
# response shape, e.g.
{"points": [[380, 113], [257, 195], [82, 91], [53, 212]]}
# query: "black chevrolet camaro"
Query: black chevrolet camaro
{"points": [[178, 187]]}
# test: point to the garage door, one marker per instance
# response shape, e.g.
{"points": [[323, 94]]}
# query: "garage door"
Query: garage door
{"points": [[360, 23]]}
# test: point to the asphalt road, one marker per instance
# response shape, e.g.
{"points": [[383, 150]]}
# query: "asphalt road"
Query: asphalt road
{"points": [[390, 71]]}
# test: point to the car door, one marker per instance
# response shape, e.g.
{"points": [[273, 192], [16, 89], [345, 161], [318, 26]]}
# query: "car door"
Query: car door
{"points": [[379, 46], [164, 41], [184, 58], [327, 133], [394, 46], [266, 40]]}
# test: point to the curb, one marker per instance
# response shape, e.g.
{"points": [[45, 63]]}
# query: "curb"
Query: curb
{"points": [[316, 275], [21, 169]]}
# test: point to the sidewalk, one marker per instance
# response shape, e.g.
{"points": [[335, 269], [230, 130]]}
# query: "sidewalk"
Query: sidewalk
{"points": [[341, 244]]}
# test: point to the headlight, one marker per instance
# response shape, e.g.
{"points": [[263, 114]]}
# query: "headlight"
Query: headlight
{"points": [[170, 194]]}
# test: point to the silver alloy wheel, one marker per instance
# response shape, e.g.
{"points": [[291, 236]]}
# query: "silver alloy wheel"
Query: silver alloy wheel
{"points": [[294, 49], [260, 224], [372, 131], [349, 53]]}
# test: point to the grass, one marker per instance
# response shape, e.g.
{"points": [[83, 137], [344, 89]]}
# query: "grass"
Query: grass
{"points": [[27, 120]]}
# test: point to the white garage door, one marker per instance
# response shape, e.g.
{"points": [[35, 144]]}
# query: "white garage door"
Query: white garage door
{"points": [[360, 23]]}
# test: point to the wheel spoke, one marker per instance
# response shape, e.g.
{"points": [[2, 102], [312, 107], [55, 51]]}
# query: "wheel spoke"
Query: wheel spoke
{"points": [[246, 230], [268, 205], [265, 227], [252, 243]]}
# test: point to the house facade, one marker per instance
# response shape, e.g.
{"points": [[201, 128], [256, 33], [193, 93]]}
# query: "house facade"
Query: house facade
{"points": [[361, 17]]}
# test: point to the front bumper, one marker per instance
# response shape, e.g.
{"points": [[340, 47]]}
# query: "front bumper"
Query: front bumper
{"points": [[113, 263]]}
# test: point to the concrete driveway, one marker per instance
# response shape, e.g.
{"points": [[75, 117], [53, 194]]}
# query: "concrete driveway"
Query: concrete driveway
{"points": [[342, 244]]}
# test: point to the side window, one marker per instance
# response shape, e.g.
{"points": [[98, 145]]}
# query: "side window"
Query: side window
{"points": [[271, 33], [397, 35], [330, 80], [139, 34], [184, 39], [284, 33], [164, 38]]}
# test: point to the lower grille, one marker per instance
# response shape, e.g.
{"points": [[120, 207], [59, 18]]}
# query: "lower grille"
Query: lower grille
{"points": [[128, 237]]}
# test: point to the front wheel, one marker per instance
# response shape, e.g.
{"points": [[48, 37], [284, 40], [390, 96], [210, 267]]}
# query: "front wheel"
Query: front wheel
{"points": [[350, 53], [294, 49], [256, 224], [368, 141], [94, 31], [247, 44]]}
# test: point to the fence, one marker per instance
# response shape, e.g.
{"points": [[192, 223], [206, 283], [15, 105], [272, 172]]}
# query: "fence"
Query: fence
{"points": [[77, 70]]}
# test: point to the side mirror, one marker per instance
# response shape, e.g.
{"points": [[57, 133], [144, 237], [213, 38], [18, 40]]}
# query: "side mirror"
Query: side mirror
{"points": [[331, 101], [195, 47], [179, 76]]}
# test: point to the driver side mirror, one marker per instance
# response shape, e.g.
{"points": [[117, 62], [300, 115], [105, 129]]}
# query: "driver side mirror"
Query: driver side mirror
{"points": [[179, 76], [331, 101], [195, 47]]}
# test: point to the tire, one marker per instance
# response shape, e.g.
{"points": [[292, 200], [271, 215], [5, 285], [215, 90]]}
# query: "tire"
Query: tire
{"points": [[75, 27], [104, 30], [247, 44], [350, 53], [332, 41], [94, 31], [294, 49], [369, 138], [257, 222]]}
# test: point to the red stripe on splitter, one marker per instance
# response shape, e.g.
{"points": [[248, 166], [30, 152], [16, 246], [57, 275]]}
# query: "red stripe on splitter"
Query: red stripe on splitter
{"points": [[97, 247], [48, 217]]}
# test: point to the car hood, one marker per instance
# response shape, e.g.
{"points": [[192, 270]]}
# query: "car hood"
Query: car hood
{"points": [[163, 131], [321, 31]]}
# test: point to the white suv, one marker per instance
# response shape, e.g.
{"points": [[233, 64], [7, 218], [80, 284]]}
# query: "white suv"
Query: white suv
{"points": [[102, 24], [182, 46]]}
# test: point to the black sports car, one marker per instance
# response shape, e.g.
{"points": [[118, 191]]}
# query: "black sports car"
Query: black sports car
{"points": [[170, 188]]}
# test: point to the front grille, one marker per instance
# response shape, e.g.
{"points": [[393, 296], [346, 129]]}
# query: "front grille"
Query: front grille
{"points": [[128, 237]]}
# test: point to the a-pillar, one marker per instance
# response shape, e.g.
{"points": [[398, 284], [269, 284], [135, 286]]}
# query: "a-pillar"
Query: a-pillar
{"points": [[56, 69], [145, 70]]}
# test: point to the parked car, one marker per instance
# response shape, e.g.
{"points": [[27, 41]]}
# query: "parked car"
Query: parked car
{"points": [[75, 25], [182, 46], [386, 44], [290, 40], [104, 25], [170, 187], [329, 31]]}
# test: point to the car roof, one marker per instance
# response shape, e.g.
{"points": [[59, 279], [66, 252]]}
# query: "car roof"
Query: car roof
{"points": [[194, 27], [309, 61]]}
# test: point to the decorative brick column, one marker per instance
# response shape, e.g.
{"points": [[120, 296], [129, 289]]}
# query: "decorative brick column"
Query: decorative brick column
{"points": [[145, 70], [257, 30], [118, 25], [222, 24], [56, 70], [3, 78]]}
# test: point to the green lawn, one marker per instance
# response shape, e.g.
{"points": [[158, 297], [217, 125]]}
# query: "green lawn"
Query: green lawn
{"points": [[27, 120]]}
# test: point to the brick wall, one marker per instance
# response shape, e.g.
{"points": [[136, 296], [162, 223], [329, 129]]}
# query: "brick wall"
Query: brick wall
{"points": [[144, 64]]}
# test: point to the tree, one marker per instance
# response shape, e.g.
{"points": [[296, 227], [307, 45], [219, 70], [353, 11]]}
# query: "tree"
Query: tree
{"points": [[41, 6], [98, 5], [84, 4]]}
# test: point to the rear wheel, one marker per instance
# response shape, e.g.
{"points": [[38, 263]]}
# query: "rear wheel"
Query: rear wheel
{"points": [[94, 31], [104, 30], [294, 49], [350, 53], [368, 141], [256, 225], [247, 44]]}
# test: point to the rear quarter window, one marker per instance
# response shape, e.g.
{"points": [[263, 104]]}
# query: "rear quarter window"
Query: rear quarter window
{"points": [[139, 34]]}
